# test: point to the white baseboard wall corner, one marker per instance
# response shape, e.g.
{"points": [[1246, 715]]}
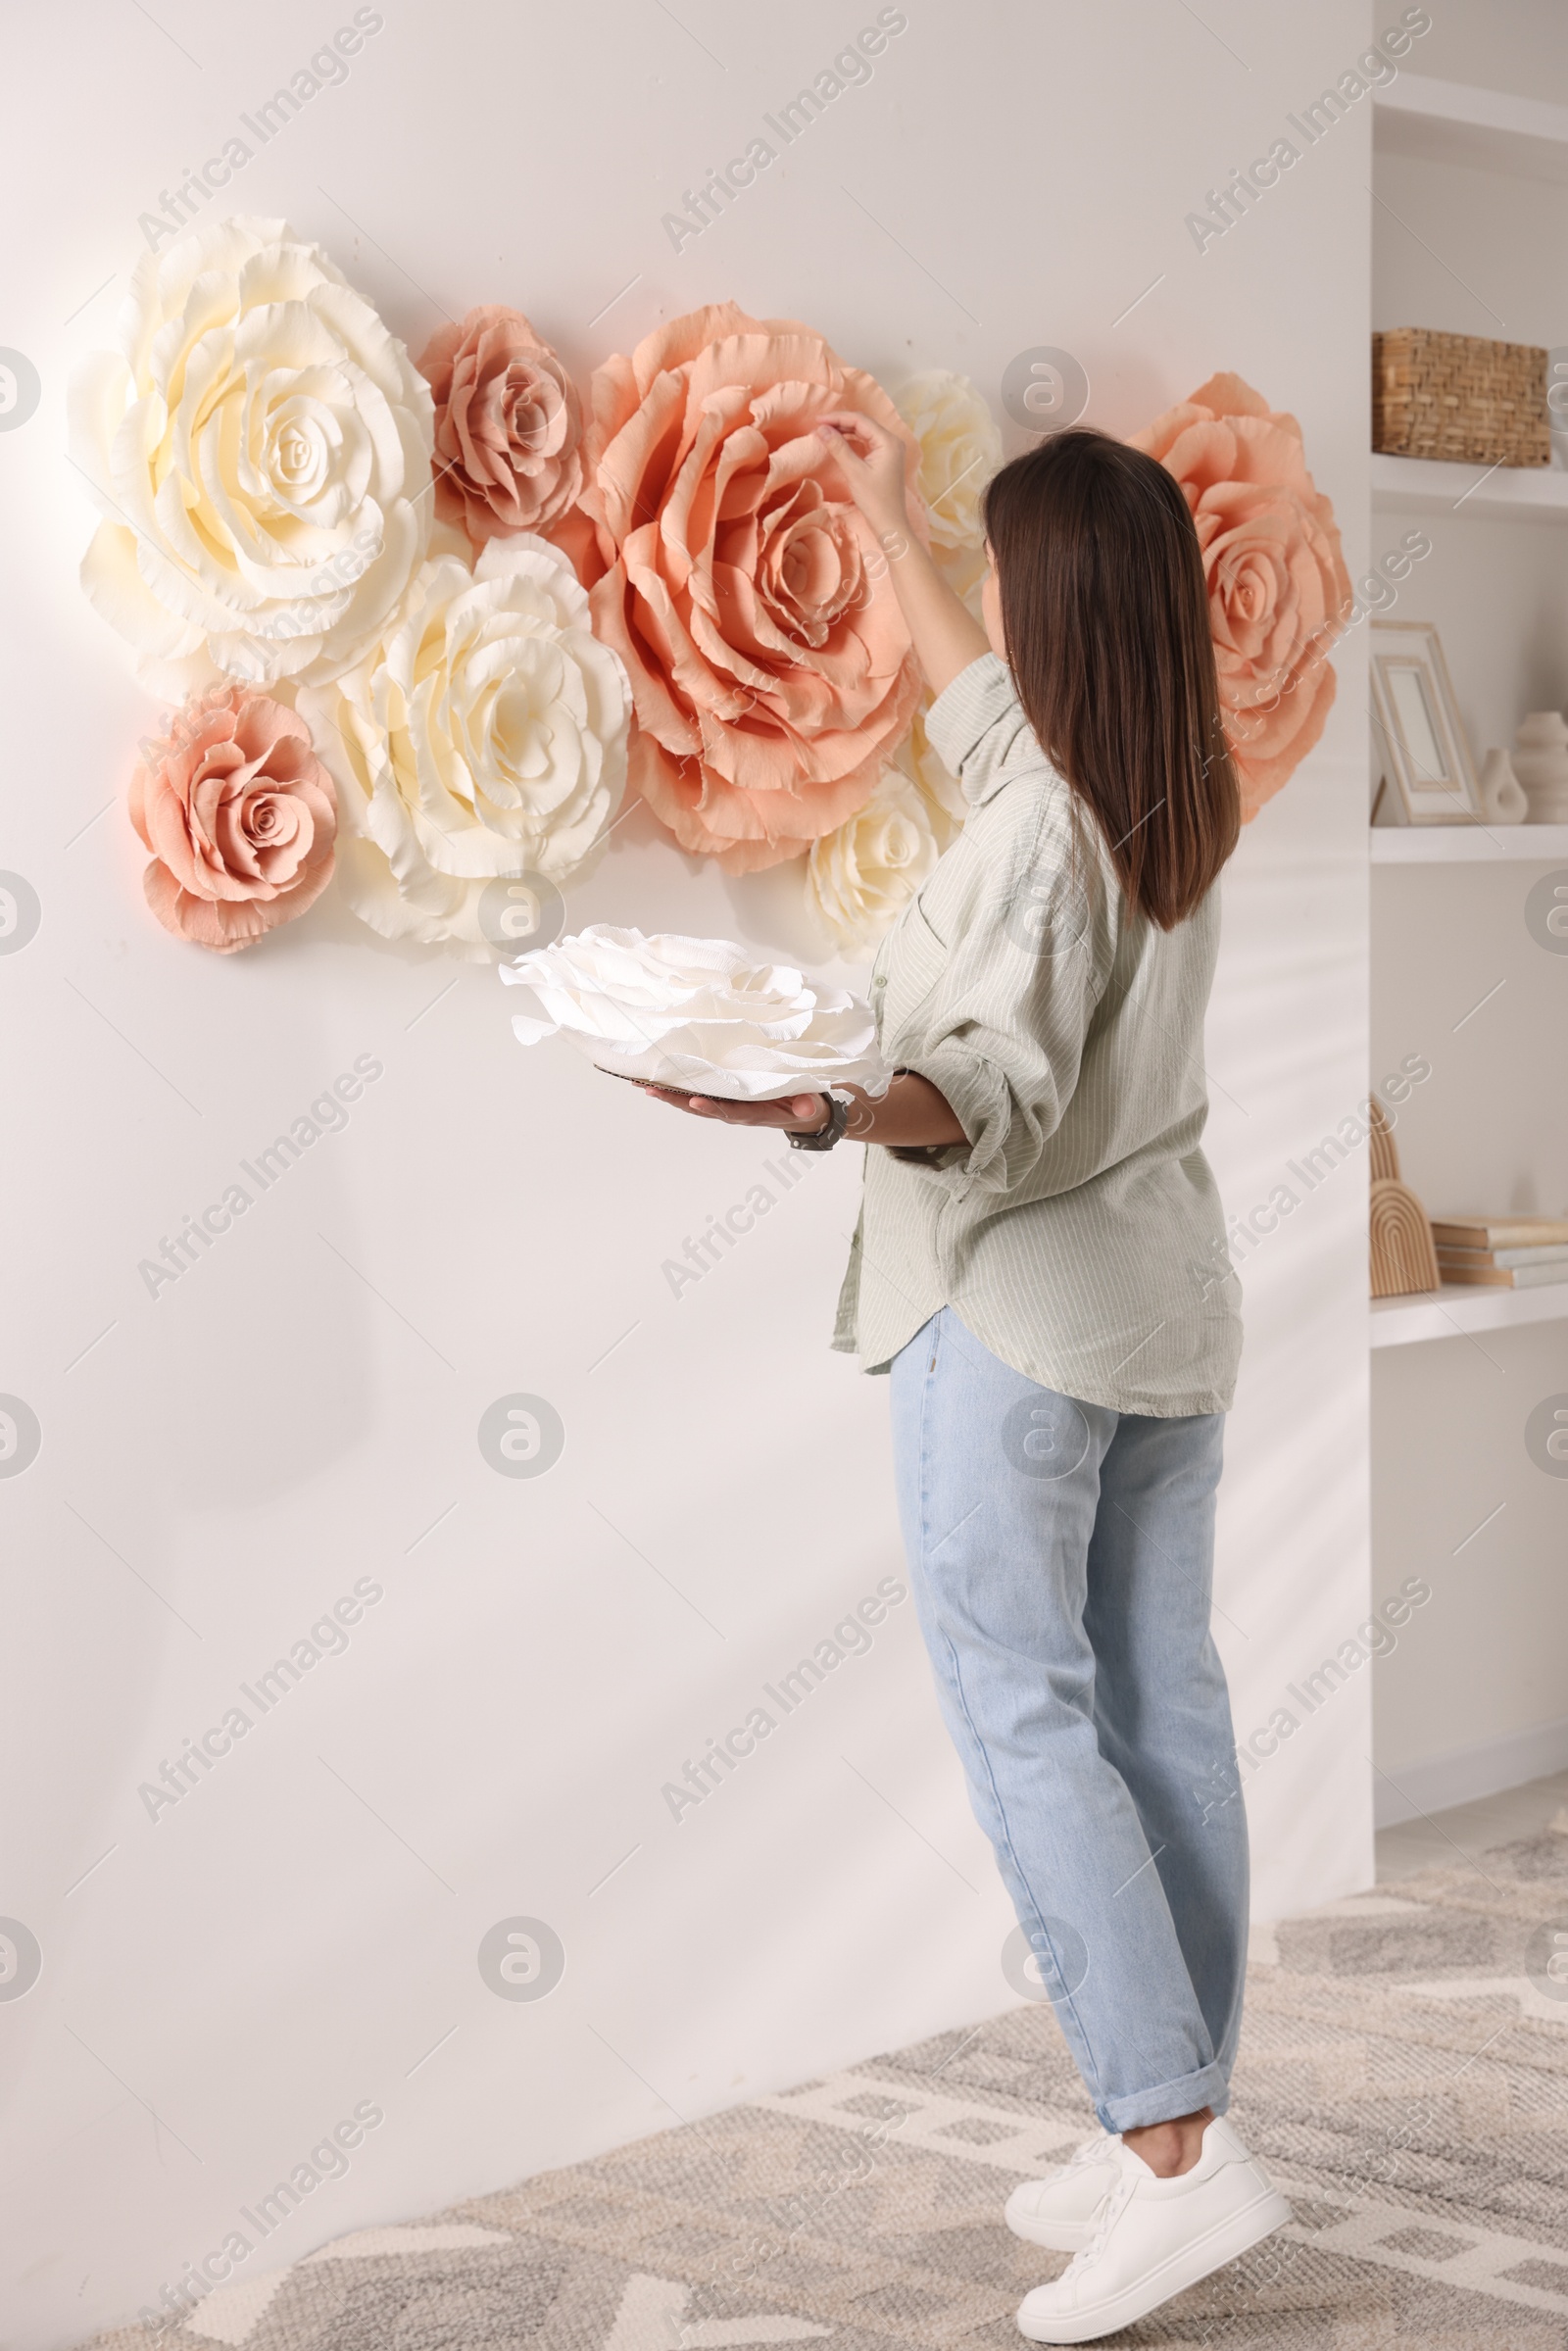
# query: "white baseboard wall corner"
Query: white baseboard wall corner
{"points": [[1467, 1774]]}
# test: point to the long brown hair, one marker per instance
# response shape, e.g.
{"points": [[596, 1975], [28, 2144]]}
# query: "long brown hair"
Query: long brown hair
{"points": [[1105, 613]]}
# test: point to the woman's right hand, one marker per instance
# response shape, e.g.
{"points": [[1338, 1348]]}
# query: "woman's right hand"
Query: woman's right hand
{"points": [[944, 637], [871, 460]]}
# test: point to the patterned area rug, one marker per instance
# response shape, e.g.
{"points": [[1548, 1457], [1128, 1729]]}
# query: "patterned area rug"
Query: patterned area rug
{"points": [[1404, 2072]]}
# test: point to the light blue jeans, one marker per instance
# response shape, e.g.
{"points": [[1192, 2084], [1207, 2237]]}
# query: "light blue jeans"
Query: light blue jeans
{"points": [[1062, 1556]]}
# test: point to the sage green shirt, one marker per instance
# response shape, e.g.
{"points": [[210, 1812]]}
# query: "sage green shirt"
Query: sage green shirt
{"points": [[1079, 1232]]}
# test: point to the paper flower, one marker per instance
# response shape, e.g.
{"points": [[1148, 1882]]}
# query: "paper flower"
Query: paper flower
{"points": [[260, 447], [860, 879], [769, 664], [938, 787], [240, 817], [508, 426], [485, 738], [1278, 589], [697, 1014], [960, 449]]}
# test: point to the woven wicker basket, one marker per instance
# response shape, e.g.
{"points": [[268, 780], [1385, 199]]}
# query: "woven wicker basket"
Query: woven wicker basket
{"points": [[1460, 397]]}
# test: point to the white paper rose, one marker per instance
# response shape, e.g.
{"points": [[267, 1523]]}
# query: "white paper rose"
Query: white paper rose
{"points": [[860, 879], [960, 449], [484, 740], [260, 448], [697, 1014]]}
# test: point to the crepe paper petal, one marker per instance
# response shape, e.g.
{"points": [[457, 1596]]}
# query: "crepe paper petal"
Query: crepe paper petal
{"points": [[481, 744], [860, 879], [260, 448], [697, 1014], [240, 815], [1279, 593], [770, 666], [508, 426]]}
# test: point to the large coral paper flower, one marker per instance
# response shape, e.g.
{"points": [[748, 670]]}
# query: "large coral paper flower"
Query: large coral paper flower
{"points": [[1278, 590], [769, 663]]}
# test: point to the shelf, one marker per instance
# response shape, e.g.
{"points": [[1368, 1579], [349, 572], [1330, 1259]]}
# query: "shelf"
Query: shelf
{"points": [[1468, 844], [1425, 485], [1456, 1309], [1457, 122]]}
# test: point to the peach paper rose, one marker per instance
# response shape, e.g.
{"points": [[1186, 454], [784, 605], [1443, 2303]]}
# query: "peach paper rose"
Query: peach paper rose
{"points": [[240, 817], [508, 426], [1278, 590], [769, 664]]}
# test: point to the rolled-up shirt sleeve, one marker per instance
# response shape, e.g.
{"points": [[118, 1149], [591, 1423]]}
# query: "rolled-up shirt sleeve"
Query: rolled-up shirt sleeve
{"points": [[1001, 1030], [977, 728]]}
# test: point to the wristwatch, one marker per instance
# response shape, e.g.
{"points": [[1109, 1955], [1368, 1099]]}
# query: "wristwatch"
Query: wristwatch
{"points": [[839, 1107]]}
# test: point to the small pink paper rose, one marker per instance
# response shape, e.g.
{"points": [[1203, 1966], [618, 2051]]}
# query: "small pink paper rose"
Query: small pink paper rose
{"points": [[1278, 590], [508, 425], [770, 666], [240, 817]]}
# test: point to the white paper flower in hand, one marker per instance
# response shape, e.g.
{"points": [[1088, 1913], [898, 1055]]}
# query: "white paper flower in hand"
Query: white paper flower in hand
{"points": [[260, 448], [697, 1015], [484, 740]]}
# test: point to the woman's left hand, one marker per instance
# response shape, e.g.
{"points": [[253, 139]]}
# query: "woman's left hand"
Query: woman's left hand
{"points": [[911, 1113], [804, 1113]]}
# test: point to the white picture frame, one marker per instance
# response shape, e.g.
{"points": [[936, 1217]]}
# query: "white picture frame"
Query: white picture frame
{"points": [[1418, 739]]}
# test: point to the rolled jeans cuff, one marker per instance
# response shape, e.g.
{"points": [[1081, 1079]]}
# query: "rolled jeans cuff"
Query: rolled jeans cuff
{"points": [[1168, 2101]]}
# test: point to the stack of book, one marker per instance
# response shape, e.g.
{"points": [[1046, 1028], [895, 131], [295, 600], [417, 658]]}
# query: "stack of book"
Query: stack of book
{"points": [[1510, 1252]]}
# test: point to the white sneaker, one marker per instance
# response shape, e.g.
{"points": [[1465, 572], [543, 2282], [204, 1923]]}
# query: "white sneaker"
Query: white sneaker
{"points": [[1156, 2236], [1060, 2211]]}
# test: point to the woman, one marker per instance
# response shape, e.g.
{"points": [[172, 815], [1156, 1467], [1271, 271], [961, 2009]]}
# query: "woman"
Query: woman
{"points": [[1040, 1266]]}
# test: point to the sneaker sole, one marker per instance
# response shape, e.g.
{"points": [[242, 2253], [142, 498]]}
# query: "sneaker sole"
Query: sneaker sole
{"points": [[1225, 2243], [1056, 2236]]}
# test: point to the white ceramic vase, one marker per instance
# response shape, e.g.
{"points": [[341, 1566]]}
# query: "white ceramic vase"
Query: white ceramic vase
{"points": [[1540, 763], [1502, 799]]}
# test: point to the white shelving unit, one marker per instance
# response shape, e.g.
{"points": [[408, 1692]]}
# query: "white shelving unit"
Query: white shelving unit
{"points": [[1457, 122], [1423, 485], [1456, 1310], [1469, 844]]}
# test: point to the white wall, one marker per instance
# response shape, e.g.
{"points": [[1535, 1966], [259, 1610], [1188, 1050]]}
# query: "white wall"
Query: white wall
{"points": [[1476, 1697], [221, 1986]]}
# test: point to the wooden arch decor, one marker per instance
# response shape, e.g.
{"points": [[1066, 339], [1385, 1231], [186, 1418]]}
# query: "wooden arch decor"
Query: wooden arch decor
{"points": [[1403, 1257]]}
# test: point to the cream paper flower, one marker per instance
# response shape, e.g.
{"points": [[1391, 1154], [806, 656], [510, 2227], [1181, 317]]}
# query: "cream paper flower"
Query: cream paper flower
{"points": [[860, 879], [960, 449], [260, 448], [938, 787], [697, 1015], [483, 741]]}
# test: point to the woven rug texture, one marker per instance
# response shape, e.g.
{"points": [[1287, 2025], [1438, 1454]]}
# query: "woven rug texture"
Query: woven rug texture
{"points": [[1403, 2072]]}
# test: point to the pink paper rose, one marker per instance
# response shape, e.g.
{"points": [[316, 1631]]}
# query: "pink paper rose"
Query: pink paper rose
{"points": [[240, 817], [1278, 590], [508, 426], [770, 666]]}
